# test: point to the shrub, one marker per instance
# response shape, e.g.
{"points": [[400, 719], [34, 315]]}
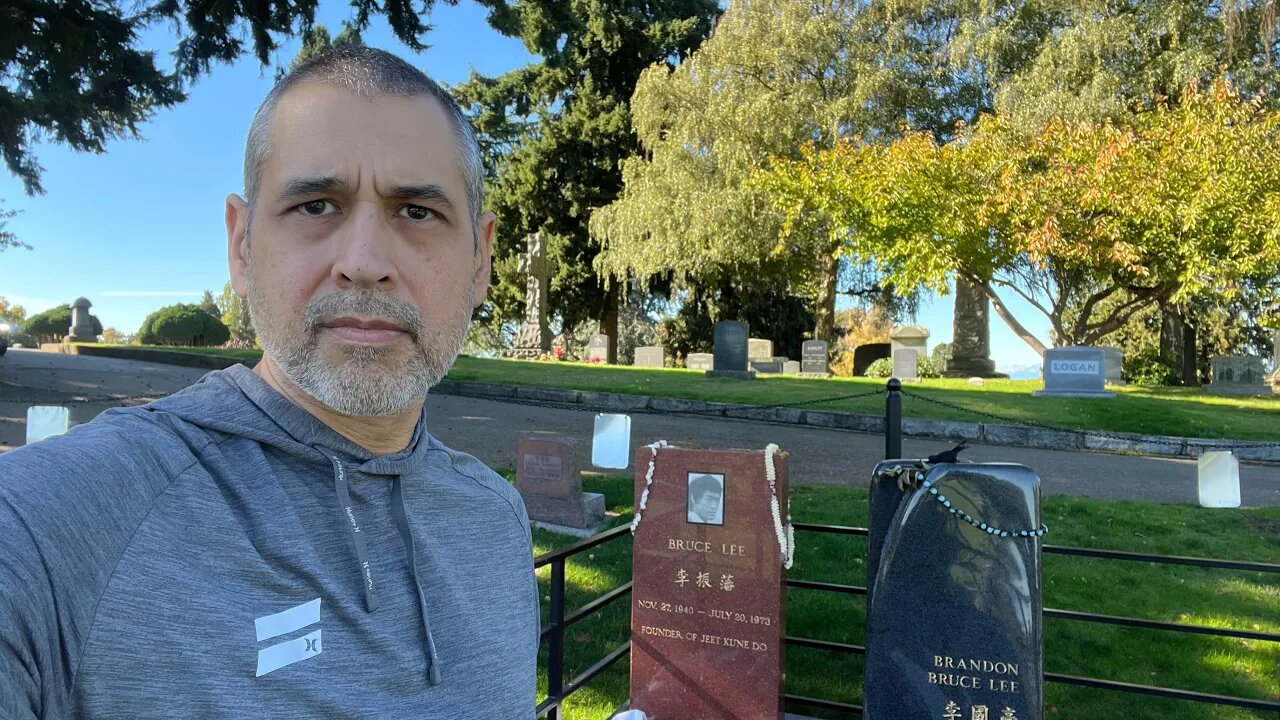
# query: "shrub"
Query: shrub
{"points": [[883, 368], [183, 324], [52, 325], [1150, 368]]}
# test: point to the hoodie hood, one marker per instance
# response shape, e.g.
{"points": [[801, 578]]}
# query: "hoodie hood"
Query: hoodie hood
{"points": [[238, 402]]}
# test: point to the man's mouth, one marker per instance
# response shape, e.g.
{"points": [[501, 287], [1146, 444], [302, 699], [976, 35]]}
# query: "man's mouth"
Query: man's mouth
{"points": [[365, 331]]}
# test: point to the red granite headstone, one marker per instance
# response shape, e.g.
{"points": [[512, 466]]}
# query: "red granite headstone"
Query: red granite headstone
{"points": [[708, 602], [547, 478]]}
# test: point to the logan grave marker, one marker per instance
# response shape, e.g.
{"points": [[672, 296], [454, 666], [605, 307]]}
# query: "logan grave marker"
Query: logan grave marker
{"points": [[1075, 372], [708, 604]]}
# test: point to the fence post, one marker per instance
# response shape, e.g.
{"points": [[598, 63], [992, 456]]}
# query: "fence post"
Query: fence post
{"points": [[555, 643], [893, 420]]}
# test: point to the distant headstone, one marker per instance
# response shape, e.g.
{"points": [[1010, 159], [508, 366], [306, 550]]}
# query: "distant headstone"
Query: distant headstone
{"points": [[767, 366], [905, 364], [954, 595], [1237, 375], [708, 599], [864, 355], [651, 356], [548, 479], [910, 337], [598, 349], [1074, 372], [731, 350], [791, 367], [813, 358], [1114, 358], [977, 381], [533, 338], [759, 349], [970, 352], [81, 329], [700, 361]]}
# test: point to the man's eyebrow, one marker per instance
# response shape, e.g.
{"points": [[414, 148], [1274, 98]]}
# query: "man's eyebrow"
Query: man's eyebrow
{"points": [[428, 192], [299, 187]]}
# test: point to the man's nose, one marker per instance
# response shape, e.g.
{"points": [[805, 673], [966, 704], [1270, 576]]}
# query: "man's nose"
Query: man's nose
{"points": [[364, 253]]}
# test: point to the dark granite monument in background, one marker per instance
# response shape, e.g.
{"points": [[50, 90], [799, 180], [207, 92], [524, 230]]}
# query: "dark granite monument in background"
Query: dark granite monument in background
{"points": [[730, 350], [707, 600], [971, 334], [954, 604]]}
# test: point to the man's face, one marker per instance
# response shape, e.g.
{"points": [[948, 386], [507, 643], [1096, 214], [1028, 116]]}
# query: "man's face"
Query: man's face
{"points": [[706, 506], [360, 262]]}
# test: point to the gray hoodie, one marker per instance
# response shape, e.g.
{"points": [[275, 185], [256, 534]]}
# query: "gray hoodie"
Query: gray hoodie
{"points": [[221, 553]]}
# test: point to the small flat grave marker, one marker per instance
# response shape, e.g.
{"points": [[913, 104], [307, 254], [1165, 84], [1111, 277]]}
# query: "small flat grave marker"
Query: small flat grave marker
{"points": [[548, 479]]}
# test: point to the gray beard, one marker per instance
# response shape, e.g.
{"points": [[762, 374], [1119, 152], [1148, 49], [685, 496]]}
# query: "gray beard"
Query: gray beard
{"points": [[372, 381]]}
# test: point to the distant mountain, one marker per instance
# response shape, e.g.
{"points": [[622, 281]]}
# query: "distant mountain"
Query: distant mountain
{"points": [[1021, 372]]}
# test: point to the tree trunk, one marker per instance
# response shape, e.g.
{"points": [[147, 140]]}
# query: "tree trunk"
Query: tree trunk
{"points": [[1178, 343], [609, 320], [824, 312], [1003, 311]]}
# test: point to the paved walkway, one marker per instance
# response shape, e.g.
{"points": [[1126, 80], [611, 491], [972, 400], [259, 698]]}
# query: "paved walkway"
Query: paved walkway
{"points": [[489, 429]]}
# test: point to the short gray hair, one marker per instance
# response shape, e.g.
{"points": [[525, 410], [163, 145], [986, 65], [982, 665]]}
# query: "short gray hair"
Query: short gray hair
{"points": [[367, 72]]}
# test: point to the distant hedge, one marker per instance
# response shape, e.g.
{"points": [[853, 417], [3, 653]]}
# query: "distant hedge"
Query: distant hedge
{"points": [[52, 325], [185, 325]]}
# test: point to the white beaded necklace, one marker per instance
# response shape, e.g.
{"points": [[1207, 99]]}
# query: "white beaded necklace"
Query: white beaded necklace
{"points": [[787, 536], [648, 480]]}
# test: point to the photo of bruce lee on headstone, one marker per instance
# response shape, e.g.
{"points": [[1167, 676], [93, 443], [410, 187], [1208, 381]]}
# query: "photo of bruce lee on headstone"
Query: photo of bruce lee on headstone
{"points": [[706, 498]]}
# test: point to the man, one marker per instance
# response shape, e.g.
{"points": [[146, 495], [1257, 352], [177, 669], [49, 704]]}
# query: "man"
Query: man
{"points": [[705, 492], [290, 542]]}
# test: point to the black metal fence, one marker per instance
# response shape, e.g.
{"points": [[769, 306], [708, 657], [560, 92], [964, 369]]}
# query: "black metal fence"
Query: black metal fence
{"points": [[558, 688]]}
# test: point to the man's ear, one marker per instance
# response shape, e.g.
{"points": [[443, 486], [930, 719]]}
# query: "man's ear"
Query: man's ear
{"points": [[237, 218], [484, 256]]}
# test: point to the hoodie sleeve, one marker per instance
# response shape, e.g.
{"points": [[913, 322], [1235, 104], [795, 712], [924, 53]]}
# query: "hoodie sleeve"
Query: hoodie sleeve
{"points": [[27, 653], [69, 506]]}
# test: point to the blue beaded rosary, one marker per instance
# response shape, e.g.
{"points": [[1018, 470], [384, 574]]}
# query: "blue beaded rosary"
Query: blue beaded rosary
{"points": [[989, 529], [899, 471]]}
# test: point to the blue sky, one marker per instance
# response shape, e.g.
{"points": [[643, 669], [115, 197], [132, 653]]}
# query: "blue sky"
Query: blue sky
{"points": [[141, 226]]}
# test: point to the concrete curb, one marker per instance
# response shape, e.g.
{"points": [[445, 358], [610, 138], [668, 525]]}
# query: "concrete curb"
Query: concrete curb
{"points": [[986, 433], [167, 357]]}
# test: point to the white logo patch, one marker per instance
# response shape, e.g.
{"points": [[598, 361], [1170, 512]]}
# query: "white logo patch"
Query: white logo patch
{"points": [[287, 621]]}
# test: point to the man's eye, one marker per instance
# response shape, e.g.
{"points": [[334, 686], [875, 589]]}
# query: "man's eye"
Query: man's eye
{"points": [[316, 208], [417, 212]]}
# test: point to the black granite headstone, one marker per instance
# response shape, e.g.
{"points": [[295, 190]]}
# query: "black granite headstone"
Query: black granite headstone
{"points": [[813, 357], [954, 624], [730, 347]]}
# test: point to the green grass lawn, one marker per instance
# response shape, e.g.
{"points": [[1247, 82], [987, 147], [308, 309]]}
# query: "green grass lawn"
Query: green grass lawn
{"points": [[1156, 411], [1249, 601]]}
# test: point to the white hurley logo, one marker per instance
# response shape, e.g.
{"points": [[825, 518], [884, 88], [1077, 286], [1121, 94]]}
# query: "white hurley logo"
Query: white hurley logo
{"points": [[289, 652]]}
